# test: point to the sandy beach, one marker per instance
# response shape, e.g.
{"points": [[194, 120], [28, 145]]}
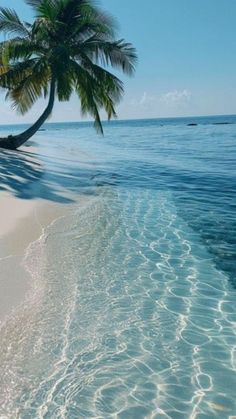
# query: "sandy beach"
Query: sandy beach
{"points": [[22, 221]]}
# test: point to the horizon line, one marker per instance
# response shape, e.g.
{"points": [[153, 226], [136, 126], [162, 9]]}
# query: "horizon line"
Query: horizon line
{"points": [[123, 120]]}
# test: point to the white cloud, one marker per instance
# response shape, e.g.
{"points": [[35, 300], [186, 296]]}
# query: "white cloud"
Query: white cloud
{"points": [[150, 104], [144, 101], [147, 99], [172, 98], [176, 97]]}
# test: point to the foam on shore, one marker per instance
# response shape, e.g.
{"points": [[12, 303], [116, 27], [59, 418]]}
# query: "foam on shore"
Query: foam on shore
{"points": [[20, 229]]}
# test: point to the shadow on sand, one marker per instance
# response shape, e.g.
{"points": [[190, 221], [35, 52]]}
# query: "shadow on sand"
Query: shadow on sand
{"points": [[30, 176], [24, 175]]}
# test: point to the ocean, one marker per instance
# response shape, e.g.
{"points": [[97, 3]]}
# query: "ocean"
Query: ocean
{"points": [[132, 312]]}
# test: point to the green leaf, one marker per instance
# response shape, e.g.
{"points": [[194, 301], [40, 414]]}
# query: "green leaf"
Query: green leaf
{"points": [[10, 23]]}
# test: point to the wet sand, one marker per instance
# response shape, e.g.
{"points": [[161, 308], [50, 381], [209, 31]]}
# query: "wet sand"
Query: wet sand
{"points": [[22, 221]]}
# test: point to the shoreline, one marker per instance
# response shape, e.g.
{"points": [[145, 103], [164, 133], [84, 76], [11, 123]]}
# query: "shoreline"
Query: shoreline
{"points": [[25, 212], [34, 192], [24, 223]]}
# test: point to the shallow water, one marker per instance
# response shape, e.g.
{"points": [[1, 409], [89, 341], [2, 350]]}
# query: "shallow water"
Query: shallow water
{"points": [[132, 311]]}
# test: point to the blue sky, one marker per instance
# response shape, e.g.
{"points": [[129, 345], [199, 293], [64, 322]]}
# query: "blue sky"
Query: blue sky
{"points": [[187, 59]]}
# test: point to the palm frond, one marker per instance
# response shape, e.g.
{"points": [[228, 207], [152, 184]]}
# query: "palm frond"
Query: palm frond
{"points": [[10, 23], [109, 89], [16, 73], [111, 84], [103, 22], [117, 54], [3, 69], [20, 49], [97, 89], [24, 96], [85, 87], [34, 3], [84, 14], [30, 89], [64, 88], [48, 9]]}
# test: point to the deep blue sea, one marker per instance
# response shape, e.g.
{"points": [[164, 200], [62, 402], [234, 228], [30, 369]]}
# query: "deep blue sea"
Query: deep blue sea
{"points": [[133, 309]]}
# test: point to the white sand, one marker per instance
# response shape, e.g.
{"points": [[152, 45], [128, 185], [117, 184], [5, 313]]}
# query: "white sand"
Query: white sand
{"points": [[12, 210], [21, 222]]}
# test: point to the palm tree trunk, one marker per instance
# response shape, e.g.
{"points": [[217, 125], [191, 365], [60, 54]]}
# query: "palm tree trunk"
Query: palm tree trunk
{"points": [[13, 142]]}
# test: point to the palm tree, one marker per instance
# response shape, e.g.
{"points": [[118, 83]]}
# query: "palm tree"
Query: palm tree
{"points": [[69, 47]]}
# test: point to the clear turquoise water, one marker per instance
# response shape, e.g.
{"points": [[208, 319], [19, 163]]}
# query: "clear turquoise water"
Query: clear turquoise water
{"points": [[132, 313]]}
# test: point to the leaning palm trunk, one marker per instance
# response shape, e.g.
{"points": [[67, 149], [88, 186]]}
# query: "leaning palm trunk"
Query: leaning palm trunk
{"points": [[75, 33], [13, 142]]}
